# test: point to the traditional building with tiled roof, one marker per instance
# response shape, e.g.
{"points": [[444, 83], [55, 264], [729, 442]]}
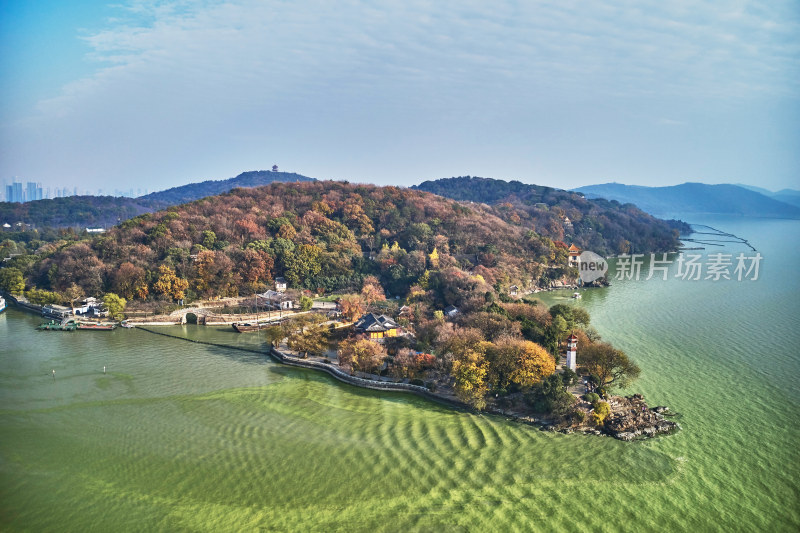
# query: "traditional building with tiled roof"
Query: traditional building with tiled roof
{"points": [[376, 326]]}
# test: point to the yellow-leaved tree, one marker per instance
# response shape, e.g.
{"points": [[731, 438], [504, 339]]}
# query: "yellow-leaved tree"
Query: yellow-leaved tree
{"points": [[169, 284], [433, 258], [518, 361], [470, 379]]}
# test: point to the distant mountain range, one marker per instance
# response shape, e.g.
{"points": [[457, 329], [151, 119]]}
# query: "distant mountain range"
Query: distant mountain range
{"points": [[699, 198], [195, 191], [789, 196], [688, 198], [592, 224], [101, 211]]}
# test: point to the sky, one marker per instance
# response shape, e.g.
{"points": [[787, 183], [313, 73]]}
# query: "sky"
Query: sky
{"points": [[155, 94]]}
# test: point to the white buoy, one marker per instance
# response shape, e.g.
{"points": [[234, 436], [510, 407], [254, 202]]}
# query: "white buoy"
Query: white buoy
{"points": [[104, 369], [54, 374]]}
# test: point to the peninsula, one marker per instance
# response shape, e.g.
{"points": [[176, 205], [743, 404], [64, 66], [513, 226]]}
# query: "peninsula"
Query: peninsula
{"points": [[389, 284]]}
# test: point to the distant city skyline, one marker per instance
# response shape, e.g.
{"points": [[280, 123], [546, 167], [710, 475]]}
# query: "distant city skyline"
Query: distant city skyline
{"points": [[159, 94], [28, 191]]}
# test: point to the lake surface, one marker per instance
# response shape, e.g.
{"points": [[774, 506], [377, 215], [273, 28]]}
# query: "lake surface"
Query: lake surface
{"points": [[178, 436]]}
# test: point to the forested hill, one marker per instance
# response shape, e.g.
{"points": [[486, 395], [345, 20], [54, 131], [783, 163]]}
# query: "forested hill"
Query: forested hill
{"points": [[195, 191], [106, 211], [322, 236], [75, 211], [695, 198], [605, 227], [318, 235]]}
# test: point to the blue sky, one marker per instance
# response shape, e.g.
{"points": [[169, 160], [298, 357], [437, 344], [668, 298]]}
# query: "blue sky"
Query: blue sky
{"points": [[153, 94]]}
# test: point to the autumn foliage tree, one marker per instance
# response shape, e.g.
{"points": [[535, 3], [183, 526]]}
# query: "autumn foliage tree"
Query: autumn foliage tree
{"points": [[255, 268], [73, 293], [469, 374], [611, 366], [316, 235], [128, 280], [601, 412], [372, 290], [403, 364], [307, 334], [76, 265], [247, 227], [520, 362], [362, 355], [352, 306], [170, 285], [214, 274]]}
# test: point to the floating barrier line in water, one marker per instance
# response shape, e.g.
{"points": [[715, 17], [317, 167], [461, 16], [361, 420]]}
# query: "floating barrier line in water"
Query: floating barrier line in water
{"points": [[202, 342], [719, 233]]}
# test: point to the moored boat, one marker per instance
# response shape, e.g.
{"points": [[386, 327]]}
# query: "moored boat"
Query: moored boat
{"points": [[246, 327], [2, 304], [71, 325], [57, 326], [97, 327]]}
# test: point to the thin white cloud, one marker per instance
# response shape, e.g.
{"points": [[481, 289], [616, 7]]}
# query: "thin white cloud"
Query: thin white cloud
{"points": [[177, 78]]}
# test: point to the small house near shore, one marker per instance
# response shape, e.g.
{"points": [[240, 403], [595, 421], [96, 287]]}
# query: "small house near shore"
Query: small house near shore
{"points": [[280, 284], [376, 326], [91, 307], [275, 300]]}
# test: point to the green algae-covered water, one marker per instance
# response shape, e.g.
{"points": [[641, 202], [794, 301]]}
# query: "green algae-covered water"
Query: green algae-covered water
{"points": [[178, 436]]}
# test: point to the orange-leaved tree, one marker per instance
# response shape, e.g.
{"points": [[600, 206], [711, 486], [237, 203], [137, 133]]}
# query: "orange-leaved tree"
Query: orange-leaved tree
{"points": [[352, 306]]}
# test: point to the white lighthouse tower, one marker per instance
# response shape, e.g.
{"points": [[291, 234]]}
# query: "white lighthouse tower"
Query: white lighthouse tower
{"points": [[572, 347]]}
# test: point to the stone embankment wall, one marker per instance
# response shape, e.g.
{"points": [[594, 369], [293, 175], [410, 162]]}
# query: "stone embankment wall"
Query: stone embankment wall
{"points": [[22, 303], [343, 376]]}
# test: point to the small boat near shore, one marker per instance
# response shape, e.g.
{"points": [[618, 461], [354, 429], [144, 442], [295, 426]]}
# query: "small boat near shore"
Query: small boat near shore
{"points": [[247, 327], [57, 326], [71, 325], [576, 296], [2, 304], [96, 327]]}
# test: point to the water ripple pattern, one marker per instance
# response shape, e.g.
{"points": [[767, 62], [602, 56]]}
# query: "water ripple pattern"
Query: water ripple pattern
{"points": [[179, 436]]}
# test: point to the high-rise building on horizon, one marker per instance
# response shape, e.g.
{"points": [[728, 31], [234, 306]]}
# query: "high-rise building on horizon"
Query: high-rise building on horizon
{"points": [[14, 193], [33, 191], [18, 194]]}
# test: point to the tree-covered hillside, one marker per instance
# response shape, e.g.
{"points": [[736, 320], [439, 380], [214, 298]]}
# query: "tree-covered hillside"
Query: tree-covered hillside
{"points": [[605, 227], [321, 236], [195, 191], [318, 235], [75, 211], [106, 211]]}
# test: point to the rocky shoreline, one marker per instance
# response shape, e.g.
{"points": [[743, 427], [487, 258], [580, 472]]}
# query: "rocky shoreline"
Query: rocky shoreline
{"points": [[632, 419]]}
